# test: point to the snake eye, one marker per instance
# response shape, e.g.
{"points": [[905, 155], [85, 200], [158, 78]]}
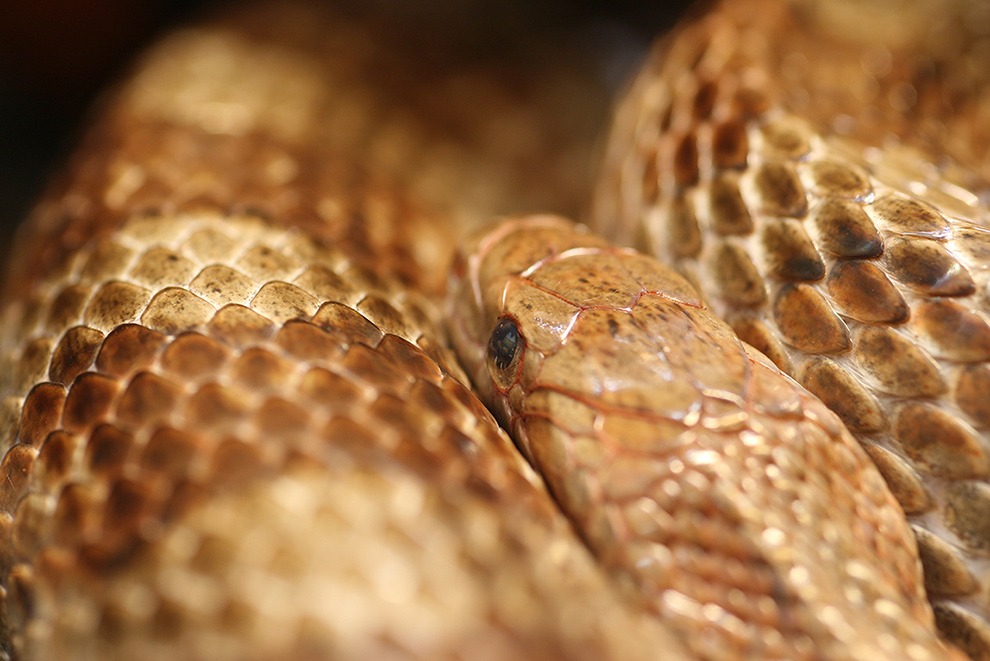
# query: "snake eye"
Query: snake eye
{"points": [[504, 343]]}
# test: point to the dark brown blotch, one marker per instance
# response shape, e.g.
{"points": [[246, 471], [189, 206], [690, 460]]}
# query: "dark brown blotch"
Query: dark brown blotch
{"points": [[729, 213], [147, 399], [907, 216], [416, 429], [76, 515], [416, 363], [780, 190], [215, 555], [845, 229], [926, 266], [834, 179], [651, 177], [330, 391], [305, 341], [757, 334], [432, 397], [937, 440], [735, 274], [730, 145], [343, 432], [282, 421], [128, 348], [377, 369], [790, 252], [107, 450], [844, 394], [88, 401], [15, 473], [862, 291], [193, 356], [704, 100], [972, 393], [262, 371], [683, 231], [215, 407], [960, 333], [806, 320], [55, 458], [170, 452], [901, 367], [187, 496], [386, 316], [750, 102], [685, 160], [41, 412], [240, 326], [128, 505], [235, 462], [967, 513], [946, 573]]}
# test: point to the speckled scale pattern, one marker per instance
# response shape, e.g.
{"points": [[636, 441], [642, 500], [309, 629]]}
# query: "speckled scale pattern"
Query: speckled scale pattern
{"points": [[259, 477], [229, 426], [691, 463], [862, 269]]}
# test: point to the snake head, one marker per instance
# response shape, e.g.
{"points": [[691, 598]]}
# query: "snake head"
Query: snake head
{"points": [[542, 318], [498, 323]]}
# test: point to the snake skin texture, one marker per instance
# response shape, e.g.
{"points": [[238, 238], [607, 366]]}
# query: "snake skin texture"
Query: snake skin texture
{"points": [[233, 427], [690, 463], [823, 181]]}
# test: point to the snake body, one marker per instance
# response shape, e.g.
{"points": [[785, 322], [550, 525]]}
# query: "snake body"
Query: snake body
{"points": [[233, 428], [824, 183]]}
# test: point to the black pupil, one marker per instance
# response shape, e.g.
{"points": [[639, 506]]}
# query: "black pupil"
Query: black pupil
{"points": [[504, 343]]}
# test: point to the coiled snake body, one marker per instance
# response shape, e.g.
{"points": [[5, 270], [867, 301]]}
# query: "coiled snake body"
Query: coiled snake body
{"points": [[234, 429]]}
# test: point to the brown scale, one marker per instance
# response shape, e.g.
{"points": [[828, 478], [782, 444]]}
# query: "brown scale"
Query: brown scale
{"points": [[858, 134], [791, 255], [728, 211], [844, 229], [862, 291]]}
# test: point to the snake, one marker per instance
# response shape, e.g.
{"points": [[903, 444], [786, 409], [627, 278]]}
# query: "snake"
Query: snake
{"points": [[275, 383]]}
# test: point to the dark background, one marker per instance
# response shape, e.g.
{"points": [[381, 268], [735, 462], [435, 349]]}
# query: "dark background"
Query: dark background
{"points": [[57, 55]]}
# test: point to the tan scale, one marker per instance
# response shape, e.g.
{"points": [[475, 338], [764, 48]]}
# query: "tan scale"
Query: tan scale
{"points": [[862, 269]]}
